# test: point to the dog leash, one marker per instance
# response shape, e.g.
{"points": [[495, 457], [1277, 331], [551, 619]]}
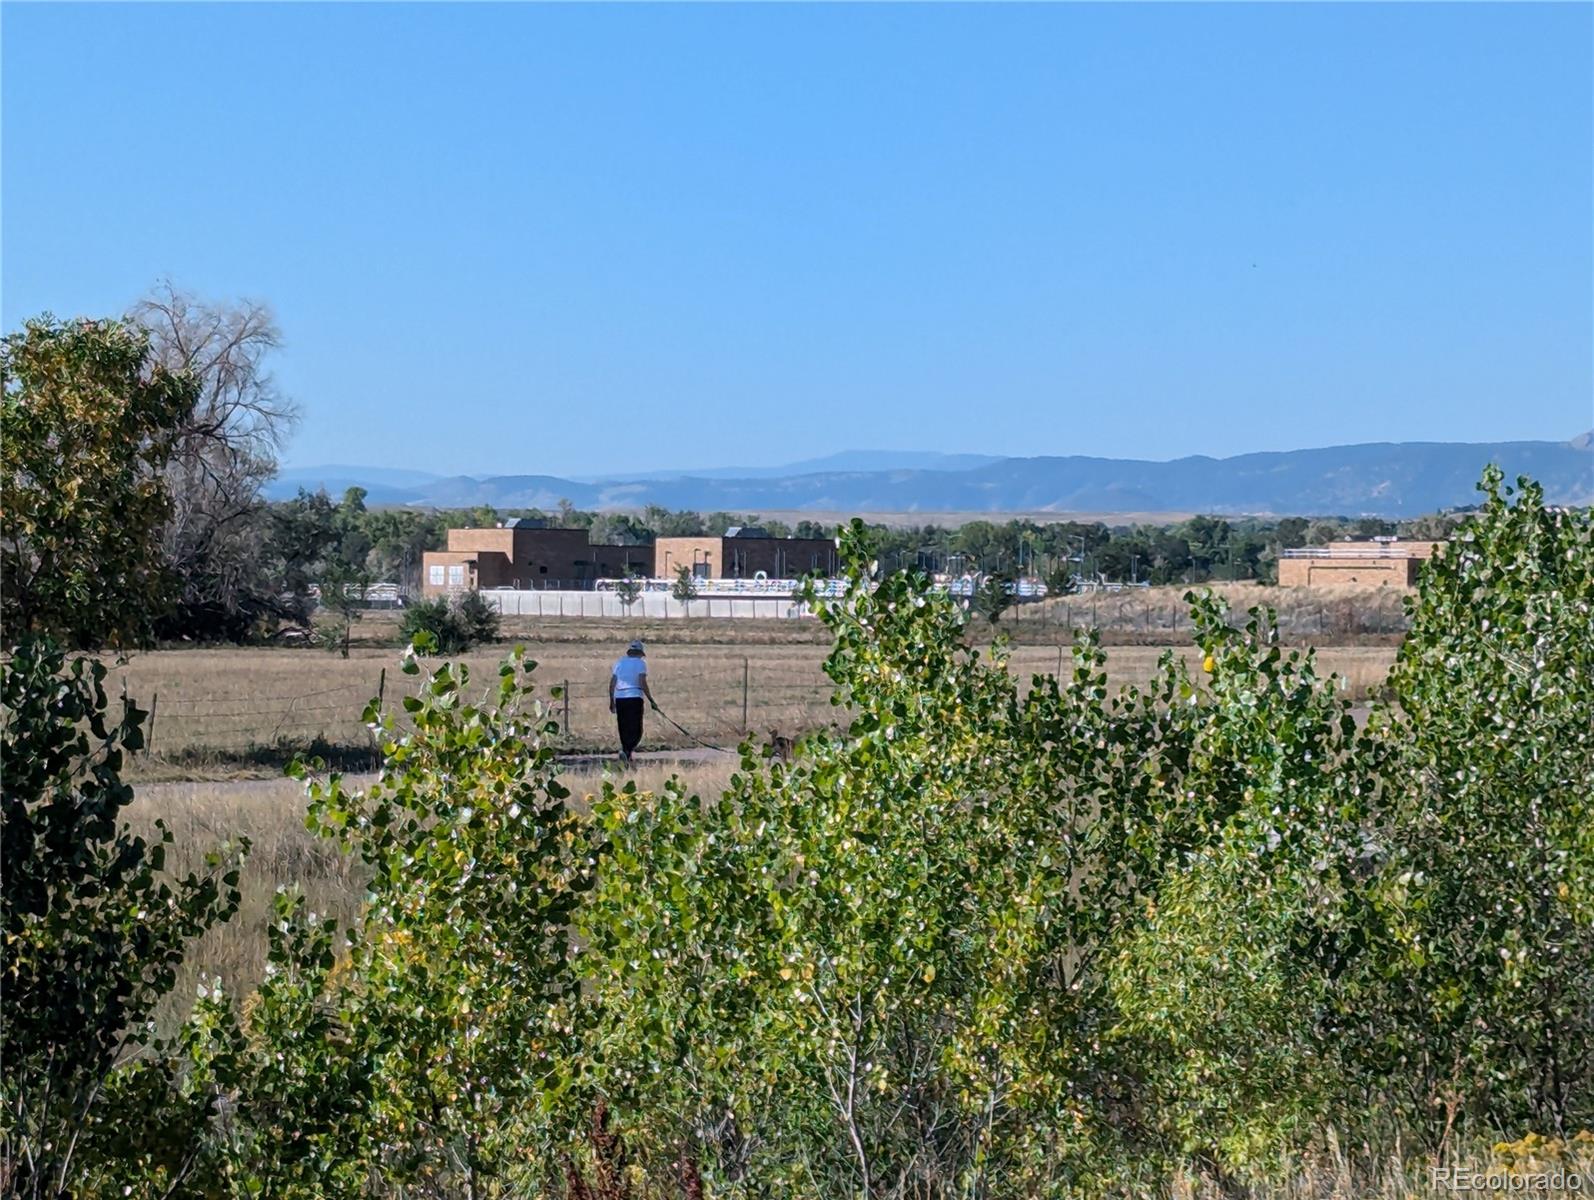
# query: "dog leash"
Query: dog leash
{"points": [[688, 733]]}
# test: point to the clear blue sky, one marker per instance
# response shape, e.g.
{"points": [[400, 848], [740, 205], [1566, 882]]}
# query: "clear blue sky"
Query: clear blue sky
{"points": [[565, 239]]}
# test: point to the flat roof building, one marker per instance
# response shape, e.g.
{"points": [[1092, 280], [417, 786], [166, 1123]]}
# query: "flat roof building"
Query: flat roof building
{"points": [[527, 555], [745, 552], [1380, 562]]}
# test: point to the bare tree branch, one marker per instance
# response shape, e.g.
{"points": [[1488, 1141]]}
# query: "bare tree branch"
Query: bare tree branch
{"points": [[227, 450]]}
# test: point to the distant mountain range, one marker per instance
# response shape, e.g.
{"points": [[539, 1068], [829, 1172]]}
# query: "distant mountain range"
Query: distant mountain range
{"points": [[845, 461], [1387, 479]]}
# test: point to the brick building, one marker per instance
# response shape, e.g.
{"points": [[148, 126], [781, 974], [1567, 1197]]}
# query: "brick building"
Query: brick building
{"points": [[745, 552], [527, 555], [1381, 562]]}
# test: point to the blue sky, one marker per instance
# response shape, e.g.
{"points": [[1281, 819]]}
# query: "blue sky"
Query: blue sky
{"points": [[568, 239]]}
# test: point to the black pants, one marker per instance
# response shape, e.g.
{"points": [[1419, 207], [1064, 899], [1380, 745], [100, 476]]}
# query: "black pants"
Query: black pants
{"points": [[628, 713]]}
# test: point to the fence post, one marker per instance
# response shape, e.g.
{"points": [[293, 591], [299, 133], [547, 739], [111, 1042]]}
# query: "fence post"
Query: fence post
{"points": [[746, 671], [282, 720], [1059, 662], [381, 690], [154, 703], [565, 695]]}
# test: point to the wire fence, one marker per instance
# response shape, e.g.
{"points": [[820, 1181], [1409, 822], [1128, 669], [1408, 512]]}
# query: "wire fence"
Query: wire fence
{"points": [[718, 697], [720, 707]]}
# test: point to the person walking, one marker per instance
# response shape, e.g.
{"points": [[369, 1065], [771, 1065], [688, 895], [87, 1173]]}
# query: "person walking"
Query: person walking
{"points": [[628, 687]]}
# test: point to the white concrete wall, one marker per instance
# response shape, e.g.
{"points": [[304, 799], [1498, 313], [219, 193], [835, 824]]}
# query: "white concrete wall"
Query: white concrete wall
{"points": [[648, 606]]}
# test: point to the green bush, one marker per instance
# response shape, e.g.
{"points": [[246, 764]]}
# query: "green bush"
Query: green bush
{"points": [[477, 618], [1086, 939], [94, 931], [1482, 907], [455, 625], [435, 619]]}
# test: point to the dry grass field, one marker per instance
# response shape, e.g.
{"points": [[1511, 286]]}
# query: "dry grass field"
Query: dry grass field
{"points": [[231, 710], [1323, 615], [1158, 615]]}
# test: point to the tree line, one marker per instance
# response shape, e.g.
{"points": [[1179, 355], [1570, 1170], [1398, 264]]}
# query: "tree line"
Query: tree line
{"points": [[1196, 550], [166, 424]]}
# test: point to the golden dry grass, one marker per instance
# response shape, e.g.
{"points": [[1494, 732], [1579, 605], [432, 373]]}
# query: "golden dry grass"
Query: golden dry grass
{"points": [[211, 706], [1321, 615]]}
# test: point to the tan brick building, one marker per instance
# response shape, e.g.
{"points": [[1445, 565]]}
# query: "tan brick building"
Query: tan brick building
{"points": [[525, 555], [1377, 563], [745, 552]]}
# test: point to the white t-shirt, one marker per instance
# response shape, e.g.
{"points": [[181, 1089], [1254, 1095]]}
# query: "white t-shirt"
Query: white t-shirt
{"points": [[628, 673]]}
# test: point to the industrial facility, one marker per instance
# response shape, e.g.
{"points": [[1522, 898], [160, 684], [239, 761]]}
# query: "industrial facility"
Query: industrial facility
{"points": [[527, 555], [1383, 562], [745, 552]]}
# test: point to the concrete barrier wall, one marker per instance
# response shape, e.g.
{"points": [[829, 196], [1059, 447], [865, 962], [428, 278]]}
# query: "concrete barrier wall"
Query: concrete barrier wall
{"points": [[654, 606]]}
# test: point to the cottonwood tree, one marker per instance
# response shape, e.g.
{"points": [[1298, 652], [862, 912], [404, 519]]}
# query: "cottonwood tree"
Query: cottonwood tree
{"points": [[301, 539], [620, 529], [223, 454], [94, 930], [664, 523], [1485, 899], [88, 428]]}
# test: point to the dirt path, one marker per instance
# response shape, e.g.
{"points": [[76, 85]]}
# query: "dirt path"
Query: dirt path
{"points": [[156, 790]]}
